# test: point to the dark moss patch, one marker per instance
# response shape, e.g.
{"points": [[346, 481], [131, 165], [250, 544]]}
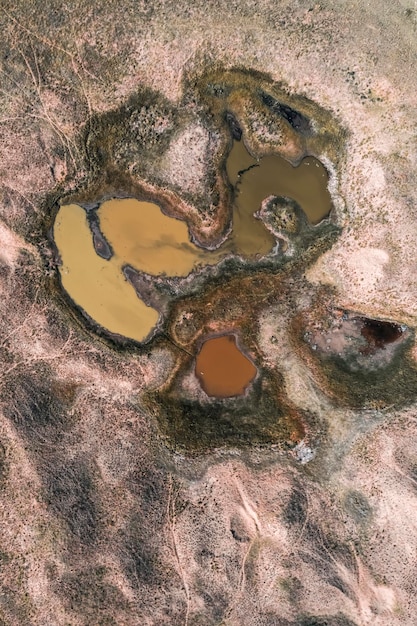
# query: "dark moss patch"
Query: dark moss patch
{"points": [[139, 556], [141, 541], [296, 509], [3, 465], [70, 494], [393, 386], [15, 606], [29, 281], [270, 619], [261, 417], [333, 620], [330, 547], [88, 593], [150, 489], [38, 406], [320, 563], [328, 556], [215, 603], [57, 322], [293, 588], [358, 506]]}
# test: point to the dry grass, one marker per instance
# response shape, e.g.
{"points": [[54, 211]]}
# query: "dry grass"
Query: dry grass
{"points": [[102, 523]]}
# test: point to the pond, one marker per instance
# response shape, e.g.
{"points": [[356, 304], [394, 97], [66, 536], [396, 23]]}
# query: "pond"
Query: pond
{"points": [[96, 245], [222, 369]]}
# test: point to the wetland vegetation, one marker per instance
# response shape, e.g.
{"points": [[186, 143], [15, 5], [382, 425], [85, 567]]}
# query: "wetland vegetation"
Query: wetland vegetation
{"points": [[139, 266]]}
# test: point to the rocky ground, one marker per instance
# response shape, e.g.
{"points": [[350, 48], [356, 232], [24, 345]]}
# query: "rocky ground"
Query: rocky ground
{"points": [[121, 500]]}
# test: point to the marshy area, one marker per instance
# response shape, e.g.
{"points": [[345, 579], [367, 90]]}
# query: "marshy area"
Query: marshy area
{"points": [[135, 262]]}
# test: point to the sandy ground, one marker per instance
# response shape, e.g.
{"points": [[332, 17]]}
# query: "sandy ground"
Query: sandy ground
{"points": [[101, 522]]}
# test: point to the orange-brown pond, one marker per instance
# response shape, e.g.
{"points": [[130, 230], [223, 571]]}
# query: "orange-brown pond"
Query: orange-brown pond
{"points": [[222, 369]]}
